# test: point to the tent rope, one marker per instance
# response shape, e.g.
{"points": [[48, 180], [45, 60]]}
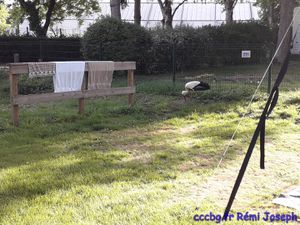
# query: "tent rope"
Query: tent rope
{"points": [[251, 101], [256, 91], [260, 129]]}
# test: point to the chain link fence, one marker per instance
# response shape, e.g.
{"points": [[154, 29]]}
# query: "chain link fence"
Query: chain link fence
{"points": [[219, 64]]}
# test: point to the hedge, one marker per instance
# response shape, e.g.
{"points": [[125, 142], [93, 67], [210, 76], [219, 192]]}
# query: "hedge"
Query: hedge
{"points": [[210, 46], [154, 50], [32, 49], [111, 39]]}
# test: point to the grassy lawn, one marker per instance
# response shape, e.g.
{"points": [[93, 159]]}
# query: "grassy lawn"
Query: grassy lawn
{"points": [[154, 163]]}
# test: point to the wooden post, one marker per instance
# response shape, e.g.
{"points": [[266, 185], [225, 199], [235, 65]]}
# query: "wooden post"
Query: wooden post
{"points": [[13, 93], [16, 57], [130, 84], [13, 78], [81, 106], [83, 87]]}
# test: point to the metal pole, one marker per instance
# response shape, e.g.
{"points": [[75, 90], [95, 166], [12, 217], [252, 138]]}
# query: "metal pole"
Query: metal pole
{"points": [[100, 51], [270, 74], [269, 79], [173, 64], [41, 55]]}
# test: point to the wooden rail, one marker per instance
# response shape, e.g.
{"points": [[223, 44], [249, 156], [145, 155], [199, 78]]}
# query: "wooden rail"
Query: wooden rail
{"points": [[16, 69]]}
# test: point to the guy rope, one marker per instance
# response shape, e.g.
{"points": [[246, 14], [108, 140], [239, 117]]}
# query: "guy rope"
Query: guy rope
{"points": [[260, 129]]}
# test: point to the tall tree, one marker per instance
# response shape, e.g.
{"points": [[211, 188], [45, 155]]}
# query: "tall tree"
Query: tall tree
{"points": [[137, 12], [286, 16], [168, 13], [41, 13]]}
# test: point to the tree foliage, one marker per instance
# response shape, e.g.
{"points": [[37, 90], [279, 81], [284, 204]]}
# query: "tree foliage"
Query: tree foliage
{"points": [[42, 13], [269, 12], [3, 18]]}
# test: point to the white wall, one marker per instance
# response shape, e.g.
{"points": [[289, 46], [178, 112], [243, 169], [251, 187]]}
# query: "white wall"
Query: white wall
{"points": [[296, 32]]}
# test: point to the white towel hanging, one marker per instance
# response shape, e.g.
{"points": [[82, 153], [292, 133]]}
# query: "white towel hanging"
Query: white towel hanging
{"points": [[69, 76]]}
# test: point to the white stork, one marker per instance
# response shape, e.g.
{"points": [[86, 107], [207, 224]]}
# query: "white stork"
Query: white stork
{"points": [[194, 86]]}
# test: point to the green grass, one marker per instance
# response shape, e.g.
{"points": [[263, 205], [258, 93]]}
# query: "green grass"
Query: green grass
{"points": [[153, 163]]}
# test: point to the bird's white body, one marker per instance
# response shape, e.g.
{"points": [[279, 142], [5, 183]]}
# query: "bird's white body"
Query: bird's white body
{"points": [[191, 85], [194, 86]]}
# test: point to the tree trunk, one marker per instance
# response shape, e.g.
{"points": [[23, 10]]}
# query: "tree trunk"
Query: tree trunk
{"points": [[169, 22], [33, 17], [286, 16], [162, 9], [137, 12], [49, 12], [35, 21], [229, 6], [168, 14], [166, 11], [270, 15], [115, 9]]}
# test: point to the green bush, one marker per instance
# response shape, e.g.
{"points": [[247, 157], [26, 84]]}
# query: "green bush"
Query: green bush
{"points": [[227, 42], [160, 52], [35, 85], [111, 39], [4, 85], [192, 48], [186, 43], [208, 46]]}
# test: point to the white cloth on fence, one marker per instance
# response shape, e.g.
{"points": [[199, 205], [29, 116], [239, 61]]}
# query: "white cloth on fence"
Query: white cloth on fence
{"points": [[100, 74], [41, 69], [69, 76]]}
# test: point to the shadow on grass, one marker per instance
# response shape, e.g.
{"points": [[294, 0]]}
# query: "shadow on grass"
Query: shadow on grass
{"points": [[46, 124], [48, 151], [86, 165]]}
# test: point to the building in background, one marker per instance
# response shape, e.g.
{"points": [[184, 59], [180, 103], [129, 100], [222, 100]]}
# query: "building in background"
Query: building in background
{"points": [[193, 14]]}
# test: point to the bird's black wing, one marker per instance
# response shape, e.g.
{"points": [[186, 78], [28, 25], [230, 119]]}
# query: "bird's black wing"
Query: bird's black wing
{"points": [[202, 86]]}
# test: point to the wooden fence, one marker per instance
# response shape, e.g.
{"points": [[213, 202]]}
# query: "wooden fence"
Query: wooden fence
{"points": [[16, 69]]}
